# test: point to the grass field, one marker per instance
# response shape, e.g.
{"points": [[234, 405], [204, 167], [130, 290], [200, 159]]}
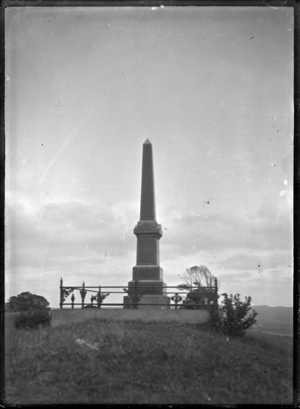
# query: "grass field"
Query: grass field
{"points": [[274, 329], [136, 362]]}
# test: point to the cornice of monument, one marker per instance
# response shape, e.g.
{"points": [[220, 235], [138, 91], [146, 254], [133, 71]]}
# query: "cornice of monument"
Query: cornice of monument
{"points": [[148, 227]]}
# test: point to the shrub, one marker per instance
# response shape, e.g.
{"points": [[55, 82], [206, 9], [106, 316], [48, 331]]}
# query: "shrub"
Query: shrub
{"points": [[189, 304], [236, 320], [214, 322], [26, 302], [197, 299], [33, 319]]}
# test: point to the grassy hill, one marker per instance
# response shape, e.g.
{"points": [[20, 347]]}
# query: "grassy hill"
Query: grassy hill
{"points": [[135, 362]]}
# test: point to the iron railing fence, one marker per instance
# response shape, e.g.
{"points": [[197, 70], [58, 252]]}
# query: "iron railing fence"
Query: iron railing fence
{"points": [[204, 297]]}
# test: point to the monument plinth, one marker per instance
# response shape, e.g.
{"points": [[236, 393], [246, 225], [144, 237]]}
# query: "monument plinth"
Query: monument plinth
{"points": [[147, 272]]}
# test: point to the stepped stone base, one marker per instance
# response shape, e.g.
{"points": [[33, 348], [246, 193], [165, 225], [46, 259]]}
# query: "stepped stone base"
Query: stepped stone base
{"points": [[161, 302]]}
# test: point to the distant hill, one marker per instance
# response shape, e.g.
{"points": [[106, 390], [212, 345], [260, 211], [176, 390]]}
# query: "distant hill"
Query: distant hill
{"points": [[278, 315], [274, 320]]}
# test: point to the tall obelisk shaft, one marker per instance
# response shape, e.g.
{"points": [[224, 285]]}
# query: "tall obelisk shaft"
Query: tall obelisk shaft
{"points": [[147, 196], [147, 273], [147, 231]]}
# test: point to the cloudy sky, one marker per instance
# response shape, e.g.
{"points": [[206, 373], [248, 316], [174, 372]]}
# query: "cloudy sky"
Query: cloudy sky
{"points": [[211, 87]]}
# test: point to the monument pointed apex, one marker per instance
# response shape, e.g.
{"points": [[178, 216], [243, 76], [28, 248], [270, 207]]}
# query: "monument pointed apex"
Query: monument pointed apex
{"points": [[147, 141]]}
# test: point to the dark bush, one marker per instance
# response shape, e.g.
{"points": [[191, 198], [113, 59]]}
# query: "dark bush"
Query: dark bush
{"points": [[26, 302], [215, 321], [189, 304], [33, 319], [236, 318]]}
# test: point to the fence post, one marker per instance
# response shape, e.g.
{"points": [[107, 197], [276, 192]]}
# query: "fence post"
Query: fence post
{"points": [[176, 298], [83, 294], [61, 293], [99, 301], [216, 293]]}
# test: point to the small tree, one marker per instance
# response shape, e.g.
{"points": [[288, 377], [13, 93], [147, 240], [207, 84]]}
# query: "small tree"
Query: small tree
{"points": [[200, 283], [34, 310], [27, 302], [196, 276], [236, 320]]}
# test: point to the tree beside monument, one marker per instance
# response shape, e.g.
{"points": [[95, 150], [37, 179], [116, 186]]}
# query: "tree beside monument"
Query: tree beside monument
{"points": [[202, 287]]}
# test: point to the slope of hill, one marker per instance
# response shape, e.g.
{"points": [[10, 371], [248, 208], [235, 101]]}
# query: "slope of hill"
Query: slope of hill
{"points": [[110, 362]]}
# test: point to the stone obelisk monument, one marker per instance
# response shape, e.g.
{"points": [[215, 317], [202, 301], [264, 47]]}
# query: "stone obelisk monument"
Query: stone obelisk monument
{"points": [[147, 273]]}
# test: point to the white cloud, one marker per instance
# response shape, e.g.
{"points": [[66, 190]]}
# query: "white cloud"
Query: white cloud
{"points": [[73, 193], [258, 261]]}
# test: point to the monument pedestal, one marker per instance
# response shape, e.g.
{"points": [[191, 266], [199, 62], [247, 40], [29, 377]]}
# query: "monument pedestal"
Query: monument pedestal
{"points": [[149, 302], [151, 292], [162, 302]]}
